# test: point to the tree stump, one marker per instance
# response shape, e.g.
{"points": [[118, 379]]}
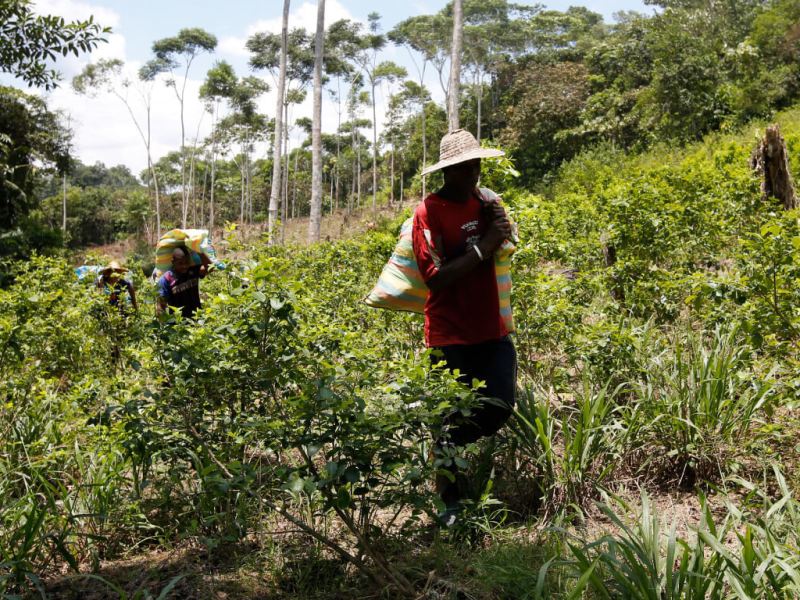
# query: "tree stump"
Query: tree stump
{"points": [[770, 160], [610, 259]]}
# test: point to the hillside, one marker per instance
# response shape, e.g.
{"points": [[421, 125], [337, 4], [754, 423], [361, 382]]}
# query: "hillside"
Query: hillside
{"points": [[280, 446]]}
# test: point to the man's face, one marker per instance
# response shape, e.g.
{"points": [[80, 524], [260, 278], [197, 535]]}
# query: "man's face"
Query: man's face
{"points": [[464, 175], [180, 264]]}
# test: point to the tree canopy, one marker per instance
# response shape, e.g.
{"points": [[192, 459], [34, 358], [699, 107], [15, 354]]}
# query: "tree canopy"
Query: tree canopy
{"points": [[29, 43]]}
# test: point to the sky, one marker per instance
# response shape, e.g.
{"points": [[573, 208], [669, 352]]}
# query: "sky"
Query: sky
{"points": [[103, 128]]}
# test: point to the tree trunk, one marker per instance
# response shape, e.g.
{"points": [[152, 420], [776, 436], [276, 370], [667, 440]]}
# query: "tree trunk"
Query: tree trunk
{"points": [[191, 186], [64, 206], [316, 130], [358, 172], [213, 171], [203, 199], [374, 152], [771, 160], [455, 67], [249, 181], [153, 172], [391, 177], [152, 168], [294, 185], [286, 167], [185, 193], [192, 174], [424, 148], [338, 142], [274, 197], [241, 198], [479, 97]]}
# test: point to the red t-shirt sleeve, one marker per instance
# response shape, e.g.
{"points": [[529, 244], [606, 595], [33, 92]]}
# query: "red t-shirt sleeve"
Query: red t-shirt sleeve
{"points": [[424, 235]]}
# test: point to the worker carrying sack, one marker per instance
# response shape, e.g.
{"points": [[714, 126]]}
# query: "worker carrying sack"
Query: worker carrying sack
{"points": [[401, 287], [197, 241]]}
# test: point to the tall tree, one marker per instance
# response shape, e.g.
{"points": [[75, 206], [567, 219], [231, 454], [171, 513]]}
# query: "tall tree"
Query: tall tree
{"points": [[109, 75], [342, 44], [376, 73], [32, 137], [415, 34], [172, 53], [219, 85], [493, 31], [262, 60], [316, 129], [455, 66]]}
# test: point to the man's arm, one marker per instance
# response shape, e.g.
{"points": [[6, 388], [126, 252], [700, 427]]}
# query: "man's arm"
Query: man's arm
{"points": [[132, 294], [205, 263], [163, 296], [453, 270]]}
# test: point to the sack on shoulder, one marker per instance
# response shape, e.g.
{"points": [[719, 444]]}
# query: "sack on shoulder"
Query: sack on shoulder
{"points": [[401, 287], [196, 241]]}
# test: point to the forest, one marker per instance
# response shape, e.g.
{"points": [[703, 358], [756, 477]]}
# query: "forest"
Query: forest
{"points": [[281, 444]]}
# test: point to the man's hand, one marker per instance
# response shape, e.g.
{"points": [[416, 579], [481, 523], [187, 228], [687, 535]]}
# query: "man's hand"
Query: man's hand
{"points": [[499, 231], [205, 264]]}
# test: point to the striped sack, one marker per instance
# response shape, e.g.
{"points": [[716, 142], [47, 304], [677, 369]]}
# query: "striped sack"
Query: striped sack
{"points": [[401, 287]]}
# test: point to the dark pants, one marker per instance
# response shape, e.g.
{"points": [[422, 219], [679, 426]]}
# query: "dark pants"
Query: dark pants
{"points": [[494, 363]]}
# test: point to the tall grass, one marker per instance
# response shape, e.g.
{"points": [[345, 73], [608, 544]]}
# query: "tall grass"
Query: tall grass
{"points": [[571, 445], [749, 554], [695, 404], [641, 562]]}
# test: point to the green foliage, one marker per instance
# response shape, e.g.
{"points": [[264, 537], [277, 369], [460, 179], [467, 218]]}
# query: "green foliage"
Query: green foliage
{"points": [[690, 411], [31, 40], [641, 562], [29, 134], [571, 445]]}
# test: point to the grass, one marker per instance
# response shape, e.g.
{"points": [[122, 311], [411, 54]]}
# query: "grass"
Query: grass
{"points": [[696, 404]]}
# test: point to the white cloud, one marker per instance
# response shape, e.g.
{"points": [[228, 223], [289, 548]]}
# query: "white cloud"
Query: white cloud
{"points": [[105, 131], [73, 10], [303, 17]]}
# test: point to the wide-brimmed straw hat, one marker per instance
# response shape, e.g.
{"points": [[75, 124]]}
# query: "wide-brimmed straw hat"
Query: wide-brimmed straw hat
{"points": [[460, 146], [114, 265]]}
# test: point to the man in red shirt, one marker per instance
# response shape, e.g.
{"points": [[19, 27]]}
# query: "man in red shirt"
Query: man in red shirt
{"points": [[456, 232]]}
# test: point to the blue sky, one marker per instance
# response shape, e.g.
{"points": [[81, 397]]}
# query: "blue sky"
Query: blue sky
{"points": [[103, 129]]}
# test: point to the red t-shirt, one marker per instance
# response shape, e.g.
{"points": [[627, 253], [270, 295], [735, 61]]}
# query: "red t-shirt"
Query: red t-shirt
{"points": [[468, 310]]}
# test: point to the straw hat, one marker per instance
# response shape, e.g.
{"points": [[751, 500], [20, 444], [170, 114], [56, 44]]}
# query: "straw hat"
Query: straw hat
{"points": [[460, 146], [114, 266]]}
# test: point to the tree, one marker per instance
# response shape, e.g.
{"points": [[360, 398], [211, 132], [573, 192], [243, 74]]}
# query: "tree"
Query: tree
{"points": [[219, 85], [29, 41], [341, 46], [172, 53], [419, 34], [31, 138], [430, 35], [256, 45], [316, 130], [545, 103], [494, 31], [398, 104], [108, 75], [376, 72], [455, 65]]}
